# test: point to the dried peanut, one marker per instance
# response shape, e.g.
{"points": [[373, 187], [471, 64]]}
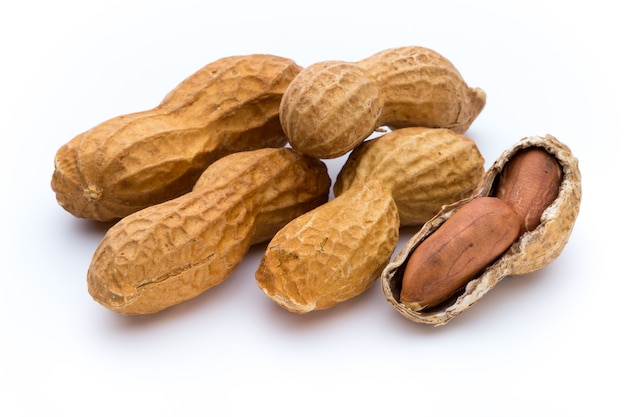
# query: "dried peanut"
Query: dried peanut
{"points": [[332, 253], [473, 237], [332, 106], [530, 251], [137, 160], [337, 251], [170, 252]]}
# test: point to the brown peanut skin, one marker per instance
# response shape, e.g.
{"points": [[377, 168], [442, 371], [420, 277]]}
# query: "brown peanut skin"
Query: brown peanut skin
{"points": [[331, 107], [529, 183], [136, 160], [170, 252], [467, 242]]}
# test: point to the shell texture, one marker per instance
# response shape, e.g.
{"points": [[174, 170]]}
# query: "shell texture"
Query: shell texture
{"points": [[173, 251], [420, 87], [137, 160], [332, 253], [425, 168], [331, 107]]}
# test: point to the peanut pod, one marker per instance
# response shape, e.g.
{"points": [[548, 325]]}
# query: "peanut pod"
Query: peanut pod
{"points": [[137, 160], [531, 251], [173, 251], [332, 106]]}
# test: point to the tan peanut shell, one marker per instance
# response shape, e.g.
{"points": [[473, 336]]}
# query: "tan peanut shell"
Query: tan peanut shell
{"points": [[137, 160], [337, 251], [173, 251], [425, 168], [332, 106], [332, 253], [530, 252]]}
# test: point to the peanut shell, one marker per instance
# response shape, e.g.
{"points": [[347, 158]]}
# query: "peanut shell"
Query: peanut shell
{"points": [[331, 107], [425, 168], [532, 251], [136, 160], [332, 253], [173, 251], [420, 87]]}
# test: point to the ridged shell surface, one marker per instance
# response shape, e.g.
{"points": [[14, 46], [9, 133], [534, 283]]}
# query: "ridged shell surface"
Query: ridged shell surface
{"points": [[315, 107], [425, 168], [420, 87], [173, 251], [331, 107], [333, 253], [136, 160]]}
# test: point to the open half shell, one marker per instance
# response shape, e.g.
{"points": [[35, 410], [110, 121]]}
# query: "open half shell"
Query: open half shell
{"points": [[532, 251]]}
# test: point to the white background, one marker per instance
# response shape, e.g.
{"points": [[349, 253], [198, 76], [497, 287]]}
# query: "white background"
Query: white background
{"points": [[544, 344]]}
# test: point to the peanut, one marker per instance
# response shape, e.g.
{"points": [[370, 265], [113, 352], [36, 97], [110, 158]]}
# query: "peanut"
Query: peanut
{"points": [[332, 253], [537, 180], [173, 251], [473, 237], [529, 183], [481, 231], [332, 106], [136, 160], [338, 250]]}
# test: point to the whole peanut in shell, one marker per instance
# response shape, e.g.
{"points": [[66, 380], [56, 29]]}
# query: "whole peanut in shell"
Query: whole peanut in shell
{"points": [[336, 251], [173, 251], [332, 106], [533, 248], [136, 160]]}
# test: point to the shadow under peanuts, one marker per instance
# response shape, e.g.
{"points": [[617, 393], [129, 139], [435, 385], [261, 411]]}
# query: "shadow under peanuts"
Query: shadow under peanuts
{"points": [[94, 228], [353, 312]]}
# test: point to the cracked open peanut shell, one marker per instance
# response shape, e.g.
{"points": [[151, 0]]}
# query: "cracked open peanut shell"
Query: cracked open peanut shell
{"points": [[532, 251]]}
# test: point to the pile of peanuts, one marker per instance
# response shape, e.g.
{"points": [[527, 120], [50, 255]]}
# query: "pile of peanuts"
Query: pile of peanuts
{"points": [[234, 156]]}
